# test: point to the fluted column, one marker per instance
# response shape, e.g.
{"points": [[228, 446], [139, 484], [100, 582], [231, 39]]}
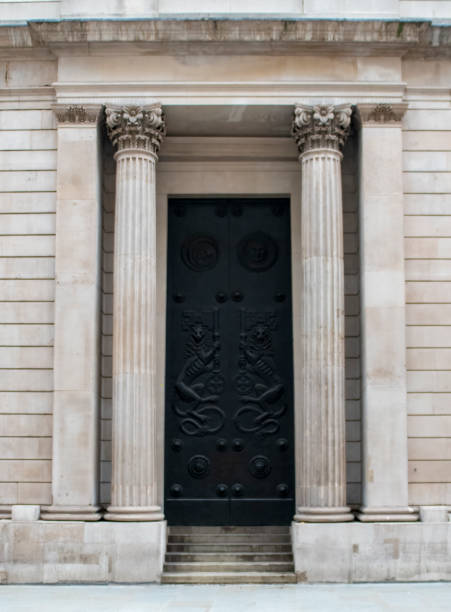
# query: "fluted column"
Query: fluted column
{"points": [[136, 132], [320, 133]]}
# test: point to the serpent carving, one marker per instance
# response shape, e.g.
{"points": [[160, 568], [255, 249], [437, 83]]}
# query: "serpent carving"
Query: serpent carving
{"points": [[258, 383], [200, 383]]}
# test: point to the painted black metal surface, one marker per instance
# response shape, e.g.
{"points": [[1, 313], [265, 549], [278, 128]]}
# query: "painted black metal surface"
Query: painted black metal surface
{"points": [[229, 393]]}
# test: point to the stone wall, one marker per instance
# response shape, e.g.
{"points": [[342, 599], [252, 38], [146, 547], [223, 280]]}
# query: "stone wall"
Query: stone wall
{"points": [[427, 186], [27, 272]]}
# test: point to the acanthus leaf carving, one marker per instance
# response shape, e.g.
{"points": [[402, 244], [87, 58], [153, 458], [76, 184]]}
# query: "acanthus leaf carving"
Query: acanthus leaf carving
{"points": [[381, 113], [321, 126], [77, 114], [136, 127]]}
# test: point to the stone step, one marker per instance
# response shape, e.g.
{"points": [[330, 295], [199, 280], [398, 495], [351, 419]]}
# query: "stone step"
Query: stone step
{"points": [[240, 538], [229, 555], [189, 529], [218, 547], [228, 578], [269, 566], [186, 557]]}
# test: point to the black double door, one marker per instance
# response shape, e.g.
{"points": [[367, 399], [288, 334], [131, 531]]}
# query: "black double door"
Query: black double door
{"points": [[229, 397]]}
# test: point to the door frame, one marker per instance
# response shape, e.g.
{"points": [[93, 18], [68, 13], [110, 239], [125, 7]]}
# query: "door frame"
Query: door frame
{"points": [[226, 179], [251, 509]]}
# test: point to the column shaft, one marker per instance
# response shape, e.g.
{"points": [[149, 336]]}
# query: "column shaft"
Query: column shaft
{"points": [[320, 421], [134, 494], [323, 473]]}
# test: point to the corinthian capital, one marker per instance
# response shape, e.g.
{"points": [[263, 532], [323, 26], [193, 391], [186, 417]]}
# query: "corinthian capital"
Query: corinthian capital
{"points": [[321, 126], [136, 127]]}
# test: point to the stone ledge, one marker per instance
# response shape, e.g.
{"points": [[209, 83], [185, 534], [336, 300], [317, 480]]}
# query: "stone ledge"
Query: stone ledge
{"points": [[25, 513], [372, 552], [76, 552]]}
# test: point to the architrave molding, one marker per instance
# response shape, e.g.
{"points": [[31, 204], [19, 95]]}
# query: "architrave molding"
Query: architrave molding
{"points": [[231, 149], [288, 91]]}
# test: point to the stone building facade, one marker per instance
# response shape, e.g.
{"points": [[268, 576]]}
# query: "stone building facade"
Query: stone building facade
{"points": [[115, 116]]}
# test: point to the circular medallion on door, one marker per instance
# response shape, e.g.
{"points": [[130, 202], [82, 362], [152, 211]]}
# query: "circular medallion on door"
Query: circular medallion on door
{"points": [[257, 252], [260, 466], [199, 466], [200, 253]]}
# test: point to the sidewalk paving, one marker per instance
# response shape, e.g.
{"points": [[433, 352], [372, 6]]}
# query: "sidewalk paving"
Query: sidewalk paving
{"points": [[405, 597]]}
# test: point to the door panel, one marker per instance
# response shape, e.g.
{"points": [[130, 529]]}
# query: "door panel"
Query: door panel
{"points": [[229, 398]]}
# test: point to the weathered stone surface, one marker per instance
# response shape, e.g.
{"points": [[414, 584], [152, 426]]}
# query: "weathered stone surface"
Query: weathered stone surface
{"points": [[223, 35], [378, 552], [68, 552]]}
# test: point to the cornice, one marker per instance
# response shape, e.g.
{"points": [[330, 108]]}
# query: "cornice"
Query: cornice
{"points": [[233, 36]]}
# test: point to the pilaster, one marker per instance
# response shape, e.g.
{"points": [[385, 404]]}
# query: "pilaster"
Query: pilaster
{"points": [[77, 295], [320, 133], [384, 419]]}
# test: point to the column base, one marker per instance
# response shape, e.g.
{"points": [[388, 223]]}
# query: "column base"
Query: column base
{"points": [[387, 514], [134, 513], [71, 513], [340, 514]]}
